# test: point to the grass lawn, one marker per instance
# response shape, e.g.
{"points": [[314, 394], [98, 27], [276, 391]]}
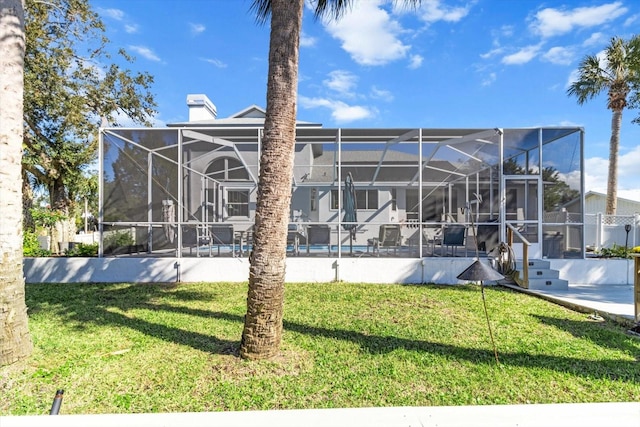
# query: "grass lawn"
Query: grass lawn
{"points": [[164, 348]]}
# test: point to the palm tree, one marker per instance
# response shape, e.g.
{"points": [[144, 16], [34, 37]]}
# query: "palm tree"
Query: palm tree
{"points": [[619, 74], [15, 341], [262, 332]]}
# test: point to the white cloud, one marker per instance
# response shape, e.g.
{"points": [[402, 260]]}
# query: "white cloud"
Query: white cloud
{"points": [[492, 52], [489, 79], [342, 82], [196, 28], [340, 111], [433, 11], [122, 120], [628, 177], [382, 94], [559, 55], [597, 168], [145, 52], [594, 39], [215, 62], [307, 41], [553, 22], [116, 14], [415, 61], [119, 15], [630, 20], [522, 56], [505, 31], [368, 34], [573, 77]]}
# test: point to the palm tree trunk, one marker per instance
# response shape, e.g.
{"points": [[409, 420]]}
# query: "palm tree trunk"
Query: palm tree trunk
{"points": [[612, 178], [262, 332], [15, 341]]}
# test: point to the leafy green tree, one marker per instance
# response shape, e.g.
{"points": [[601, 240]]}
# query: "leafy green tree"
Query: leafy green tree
{"points": [[618, 73], [556, 191], [15, 340], [70, 88], [262, 331]]}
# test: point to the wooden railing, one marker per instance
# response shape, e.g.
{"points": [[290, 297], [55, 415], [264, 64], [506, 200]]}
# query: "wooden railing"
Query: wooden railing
{"points": [[511, 230]]}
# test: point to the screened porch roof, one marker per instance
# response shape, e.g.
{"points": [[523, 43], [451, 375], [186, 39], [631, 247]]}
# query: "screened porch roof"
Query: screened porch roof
{"points": [[445, 155], [385, 155]]}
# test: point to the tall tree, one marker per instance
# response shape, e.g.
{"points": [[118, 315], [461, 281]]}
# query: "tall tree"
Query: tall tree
{"points": [[262, 332], [70, 87], [15, 341], [618, 73]]}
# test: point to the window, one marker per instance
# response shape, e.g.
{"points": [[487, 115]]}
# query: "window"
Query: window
{"points": [[227, 169], [394, 199], [314, 199], [365, 199], [238, 203]]}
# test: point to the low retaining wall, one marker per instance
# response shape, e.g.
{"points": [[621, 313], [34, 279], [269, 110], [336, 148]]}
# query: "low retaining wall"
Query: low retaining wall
{"points": [[350, 270]]}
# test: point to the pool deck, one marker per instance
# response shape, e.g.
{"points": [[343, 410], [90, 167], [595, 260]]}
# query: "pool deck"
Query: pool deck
{"points": [[614, 302]]}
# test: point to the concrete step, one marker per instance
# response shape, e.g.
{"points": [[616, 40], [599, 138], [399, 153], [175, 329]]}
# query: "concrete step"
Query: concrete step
{"points": [[537, 273], [548, 284], [541, 276], [535, 263]]}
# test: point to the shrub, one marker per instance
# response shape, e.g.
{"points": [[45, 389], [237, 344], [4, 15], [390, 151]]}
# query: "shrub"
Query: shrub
{"points": [[117, 239], [83, 250], [615, 251], [31, 246]]}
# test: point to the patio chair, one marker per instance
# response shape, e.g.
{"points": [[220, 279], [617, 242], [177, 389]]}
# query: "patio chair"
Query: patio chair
{"points": [[487, 237], [190, 239], [195, 235], [243, 240], [319, 234], [432, 236], [389, 237], [453, 236], [223, 235], [295, 237]]}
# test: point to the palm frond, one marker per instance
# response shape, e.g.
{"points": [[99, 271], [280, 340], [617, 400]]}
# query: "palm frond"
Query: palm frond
{"points": [[262, 10]]}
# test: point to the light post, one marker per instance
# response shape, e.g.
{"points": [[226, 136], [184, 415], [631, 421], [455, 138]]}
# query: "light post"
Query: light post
{"points": [[627, 228]]}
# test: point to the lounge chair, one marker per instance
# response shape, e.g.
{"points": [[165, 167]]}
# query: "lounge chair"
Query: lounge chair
{"points": [[432, 236], [223, 235], [389, 237], [319, 234], [295, 236], [453, 236]]}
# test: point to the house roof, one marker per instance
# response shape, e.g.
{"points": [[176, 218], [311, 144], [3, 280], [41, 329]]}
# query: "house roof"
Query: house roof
{"points": [[589, 194], [252, 117]]}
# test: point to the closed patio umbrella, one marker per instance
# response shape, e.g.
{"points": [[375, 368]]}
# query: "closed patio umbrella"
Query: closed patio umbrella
{"points": [[350, 215]]}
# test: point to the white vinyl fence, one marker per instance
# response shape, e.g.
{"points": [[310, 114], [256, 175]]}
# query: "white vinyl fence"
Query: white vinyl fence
{"points": [[603, 231]]}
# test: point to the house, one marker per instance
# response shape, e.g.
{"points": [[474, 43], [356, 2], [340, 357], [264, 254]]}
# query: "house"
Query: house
{"points": [[595, 202], [171, 189]]}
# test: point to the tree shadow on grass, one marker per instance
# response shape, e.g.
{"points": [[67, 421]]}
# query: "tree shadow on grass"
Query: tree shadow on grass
{"points": [[93, 303], [607, 369], [596, 332], [90, 303]]}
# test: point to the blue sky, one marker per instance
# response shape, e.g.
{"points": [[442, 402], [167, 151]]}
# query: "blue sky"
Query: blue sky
{"points": [[448, 63]]}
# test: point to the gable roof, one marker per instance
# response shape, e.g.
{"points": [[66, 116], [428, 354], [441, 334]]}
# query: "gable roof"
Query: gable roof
{"points": [[251, 117]]}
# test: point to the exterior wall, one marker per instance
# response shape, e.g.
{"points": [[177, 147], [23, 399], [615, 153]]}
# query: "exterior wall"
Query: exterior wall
{"points": [[348, 270], [595, 203]]}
